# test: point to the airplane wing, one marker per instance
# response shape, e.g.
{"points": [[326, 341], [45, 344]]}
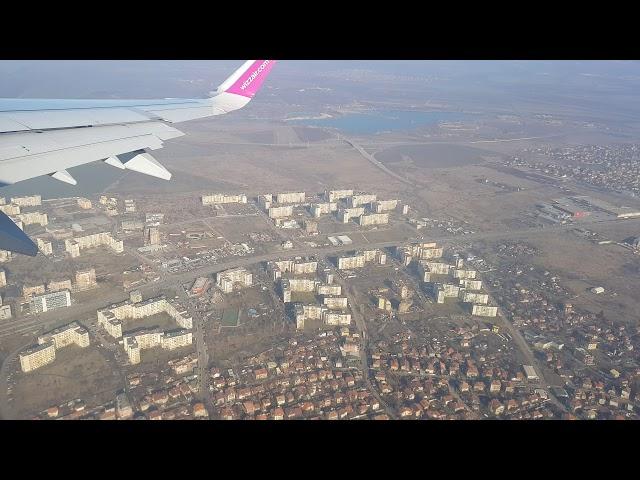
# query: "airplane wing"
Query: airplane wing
{"points": [[46, 137]]}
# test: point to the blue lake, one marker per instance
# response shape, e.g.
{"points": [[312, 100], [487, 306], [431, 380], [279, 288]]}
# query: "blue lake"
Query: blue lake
{"points": [[384, 121]]}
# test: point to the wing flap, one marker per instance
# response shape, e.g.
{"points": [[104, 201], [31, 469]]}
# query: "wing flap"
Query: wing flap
{"points": [[15, 169]]}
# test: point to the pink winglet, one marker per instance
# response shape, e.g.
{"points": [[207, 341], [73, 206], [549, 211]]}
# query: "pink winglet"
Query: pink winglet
{"points": [[251, 80]]}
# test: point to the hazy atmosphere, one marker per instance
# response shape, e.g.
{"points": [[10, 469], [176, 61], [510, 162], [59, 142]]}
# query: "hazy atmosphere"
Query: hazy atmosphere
{"points": [[389, 240]]}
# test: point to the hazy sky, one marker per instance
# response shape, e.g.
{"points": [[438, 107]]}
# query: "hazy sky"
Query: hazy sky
{"points": [[85, 79]]}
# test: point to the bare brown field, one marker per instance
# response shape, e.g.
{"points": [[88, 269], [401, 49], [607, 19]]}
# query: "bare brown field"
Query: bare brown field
{"points": [[75, 373]]}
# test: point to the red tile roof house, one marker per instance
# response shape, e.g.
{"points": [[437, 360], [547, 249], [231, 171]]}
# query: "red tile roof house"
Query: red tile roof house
{"points": [[278, 414], [249, 407]]}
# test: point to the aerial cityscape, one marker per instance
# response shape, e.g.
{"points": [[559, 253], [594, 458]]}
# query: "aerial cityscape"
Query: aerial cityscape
{"points": [[363, 241]]}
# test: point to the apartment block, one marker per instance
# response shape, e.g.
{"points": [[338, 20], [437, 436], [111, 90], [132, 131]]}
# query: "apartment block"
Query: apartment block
{"points": [[28, 292], [111, 318], [37, 356], [351, 262], [318, 209], [50, 301], [336, 318], [380, 206], [280, 212], [471, 284], [75, 245], [29, 201], [484, 311], [221, 198], [10, 209], [296, 267], [84, 203], [335, 195], [86, 279], [335, 303], [360, 199], [373, 219], [33, 218], [57, 285], [71, 334], [472, 297], [329, 289], [464, 274], [227, 279], [291, 197], [44, 246]]}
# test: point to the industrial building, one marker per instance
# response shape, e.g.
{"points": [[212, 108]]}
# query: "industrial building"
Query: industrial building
{"points": [[220, 198], [618, 212], [227, 279], [199, 286], [50, 301]]}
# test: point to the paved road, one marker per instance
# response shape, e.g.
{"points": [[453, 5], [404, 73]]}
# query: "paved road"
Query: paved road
{"points": [[526, 351], [356, 311], [378, 164], [88, 309], [204, 394]]}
